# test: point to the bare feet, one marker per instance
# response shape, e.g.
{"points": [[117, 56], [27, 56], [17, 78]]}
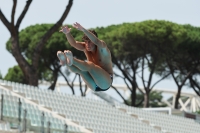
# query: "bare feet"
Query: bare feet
{"points": [[69, 56], [61, 57]]}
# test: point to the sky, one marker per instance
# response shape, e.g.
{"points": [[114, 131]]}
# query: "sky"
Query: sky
{"points": [[97, 13]]}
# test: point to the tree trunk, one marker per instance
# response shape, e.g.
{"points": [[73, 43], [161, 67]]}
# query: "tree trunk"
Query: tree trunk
{"points": [[133, 96], [30, 71], [146, 100], [80, 85], [125, 101], [33, 77], [30, 74], [177, 98], [55, 78], [195, 86], [84, 94]]}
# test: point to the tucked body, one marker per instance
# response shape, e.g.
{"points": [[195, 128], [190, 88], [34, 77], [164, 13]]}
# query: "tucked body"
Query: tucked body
{"points": [[97, 71]]}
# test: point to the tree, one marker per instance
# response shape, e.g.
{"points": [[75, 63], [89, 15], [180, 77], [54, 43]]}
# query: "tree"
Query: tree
{"points": [[183, 59], [194, 84], [30, 70], [49, 66], [155, 99], [133, 46], [198, 112], [1, 77], [15, 74], [193, 47]]}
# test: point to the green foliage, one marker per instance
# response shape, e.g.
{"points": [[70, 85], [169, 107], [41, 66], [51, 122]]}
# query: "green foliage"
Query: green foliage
{"points": [[155, 99], [129, 42], [158, 40], [30, 36], [198, 112], [140, 37], [1, 77], [184, 58], [191, 44], [15, 74]]}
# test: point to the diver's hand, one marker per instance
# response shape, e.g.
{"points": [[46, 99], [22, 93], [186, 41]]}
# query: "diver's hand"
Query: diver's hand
{"points": [[65, 29], [78, 26]]}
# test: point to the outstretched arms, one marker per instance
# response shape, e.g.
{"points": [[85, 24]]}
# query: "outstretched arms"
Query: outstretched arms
{"points": [[70, 38], [90, 35]]}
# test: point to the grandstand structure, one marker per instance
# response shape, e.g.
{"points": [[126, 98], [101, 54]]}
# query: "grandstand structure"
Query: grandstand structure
{"points": [[25, 108], [191, 103]]}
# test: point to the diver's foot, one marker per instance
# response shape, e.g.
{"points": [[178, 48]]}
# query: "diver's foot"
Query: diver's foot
{"points": [[61, 57], [69, 56]]}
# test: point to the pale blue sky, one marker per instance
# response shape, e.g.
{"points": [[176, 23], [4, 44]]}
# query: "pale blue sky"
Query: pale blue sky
{"points": [[93, 13]]}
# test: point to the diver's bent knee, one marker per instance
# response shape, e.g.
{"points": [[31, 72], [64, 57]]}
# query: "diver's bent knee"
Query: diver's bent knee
{"points": [[91, 66]]}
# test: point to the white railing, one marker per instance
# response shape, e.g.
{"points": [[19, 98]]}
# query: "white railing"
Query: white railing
{"points": [[192, 103]]}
